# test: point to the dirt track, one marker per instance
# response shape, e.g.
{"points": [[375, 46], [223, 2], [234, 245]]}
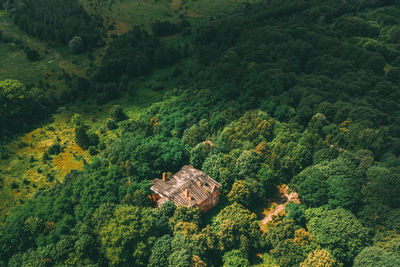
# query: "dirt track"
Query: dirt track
{"points": [[282, 202]]}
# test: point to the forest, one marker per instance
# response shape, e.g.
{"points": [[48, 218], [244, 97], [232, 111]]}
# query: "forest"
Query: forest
{"points": [[298, 94]]}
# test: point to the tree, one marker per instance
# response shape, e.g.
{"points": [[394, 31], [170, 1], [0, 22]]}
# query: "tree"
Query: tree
{"points": [[313, 189], [180, 258], [76, 45], [185, 214], [235, 258], [127, 237], [117, 113], [248, 164], [160, 252], [296, 212], [376, 256], [317, 122], [339, 231], [77, 121], [319, 258], [81, 137], [237, 228], [84, 140], [382, 186], [240, 193], [343, 192], [196, 133], [199, 153]]}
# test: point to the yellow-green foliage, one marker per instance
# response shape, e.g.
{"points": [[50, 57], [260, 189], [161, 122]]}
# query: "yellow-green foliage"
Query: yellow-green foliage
{"points": [[318, 258]]}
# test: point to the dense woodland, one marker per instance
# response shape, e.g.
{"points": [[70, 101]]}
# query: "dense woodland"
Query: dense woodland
{"points": [[306, 94], [57, 21]]}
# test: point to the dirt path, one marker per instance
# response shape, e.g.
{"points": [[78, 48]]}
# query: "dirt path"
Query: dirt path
{"points": [[281, 204]]}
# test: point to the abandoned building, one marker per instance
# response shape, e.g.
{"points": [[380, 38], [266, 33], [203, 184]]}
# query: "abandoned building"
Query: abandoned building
{"points": [[188, 187]]}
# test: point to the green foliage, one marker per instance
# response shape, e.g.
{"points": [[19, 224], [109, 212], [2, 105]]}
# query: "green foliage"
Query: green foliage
{"points": [[336, 182], [296, 213], [382, 186], [237, 228], [199, 153], [248, 164], [236, 258], [111, 124], [319, 258], [127, 237], [20, 107], [253, 126], [52, 21], [288, 243], [75, 45], [340, 231], [240, 193], [343, 192], [196, 134], [327, 71], [373, 256], [160, 252], [313, 189], [84, 140], [77, 121], [185, 214], [131, 54], [117, 114], [54, 149]]}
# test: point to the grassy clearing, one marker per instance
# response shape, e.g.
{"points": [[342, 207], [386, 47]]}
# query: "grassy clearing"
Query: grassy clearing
{"points": [[127, 13], [24, 172], [53, 60]]}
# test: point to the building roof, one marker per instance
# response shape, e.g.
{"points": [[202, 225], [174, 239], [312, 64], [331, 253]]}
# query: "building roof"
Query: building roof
{"points": [[187, 187]]}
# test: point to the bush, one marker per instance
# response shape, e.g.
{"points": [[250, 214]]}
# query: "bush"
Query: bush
{"points": [[92, 150], [76, 45], [32, 54], [4, 153], [111, 124], [101, 146], [117, 113], [14, 185], [45, 156], [54, 149]]}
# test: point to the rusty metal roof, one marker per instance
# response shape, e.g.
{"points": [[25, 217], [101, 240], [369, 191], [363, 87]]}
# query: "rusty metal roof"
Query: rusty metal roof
{"points": [[187, 187]]}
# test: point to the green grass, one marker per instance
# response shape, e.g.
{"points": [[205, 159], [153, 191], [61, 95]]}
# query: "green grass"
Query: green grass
{"points": [[15, 64], [127, 13], [19, 168]]}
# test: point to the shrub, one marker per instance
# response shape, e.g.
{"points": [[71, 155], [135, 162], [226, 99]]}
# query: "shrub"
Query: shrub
{"points": [[111, 124], [117, 113], [76, 45], [54, 149], [92, 150]]}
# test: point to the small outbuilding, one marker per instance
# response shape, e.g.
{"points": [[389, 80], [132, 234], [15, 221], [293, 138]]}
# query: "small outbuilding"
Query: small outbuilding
{"points": [[188, 187]]}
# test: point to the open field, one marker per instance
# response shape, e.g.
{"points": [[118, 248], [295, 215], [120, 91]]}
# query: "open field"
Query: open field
{"points": [[24, 172], [53, 60], [127, 13]]}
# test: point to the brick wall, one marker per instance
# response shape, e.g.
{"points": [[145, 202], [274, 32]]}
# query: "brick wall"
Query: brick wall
{"points": [[210, 202]]}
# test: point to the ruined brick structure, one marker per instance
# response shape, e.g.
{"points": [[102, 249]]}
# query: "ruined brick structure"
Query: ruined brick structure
{"points": [[188, 187]]}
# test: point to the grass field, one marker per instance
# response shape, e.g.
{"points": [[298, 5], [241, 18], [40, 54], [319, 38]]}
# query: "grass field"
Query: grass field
{"points": [[24, 172], [127, 13], [15, 65]]}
